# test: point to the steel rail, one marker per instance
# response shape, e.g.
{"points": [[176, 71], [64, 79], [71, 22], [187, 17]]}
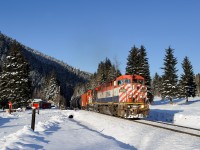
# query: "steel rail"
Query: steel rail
{"points": [[147, 122], [170, 124], [168, 128]]}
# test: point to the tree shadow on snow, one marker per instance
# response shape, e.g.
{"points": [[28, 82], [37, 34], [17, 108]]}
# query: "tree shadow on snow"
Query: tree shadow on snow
{"points": [[190, 102], [52, 129], [26, 144], [166, 101], [121, 144], [33, 146], [162, 115], [5, 120]]}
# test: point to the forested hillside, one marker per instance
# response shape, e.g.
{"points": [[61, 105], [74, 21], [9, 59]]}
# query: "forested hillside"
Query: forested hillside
{"points": [[41, 69]]}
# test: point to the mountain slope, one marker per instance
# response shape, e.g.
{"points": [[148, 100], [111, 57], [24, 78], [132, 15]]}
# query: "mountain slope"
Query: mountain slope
{"points": [[42, 65]]}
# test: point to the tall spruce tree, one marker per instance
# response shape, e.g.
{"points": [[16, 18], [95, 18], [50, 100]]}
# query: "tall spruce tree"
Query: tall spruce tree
{"points": [[101, 73], [52, 89], [14, 79], [144, 65], [138, 64], [169, 79], [132, 66], [156, 84], [143, 70], [197, 81], [106, 72], [187, 83]]}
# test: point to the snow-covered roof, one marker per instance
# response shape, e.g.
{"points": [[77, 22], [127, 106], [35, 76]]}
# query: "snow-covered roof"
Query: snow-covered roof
{"points": [[37, 100]]}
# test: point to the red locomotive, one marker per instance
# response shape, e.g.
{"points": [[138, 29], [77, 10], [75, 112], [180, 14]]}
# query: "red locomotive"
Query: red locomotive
{"points": [[124, 97]]}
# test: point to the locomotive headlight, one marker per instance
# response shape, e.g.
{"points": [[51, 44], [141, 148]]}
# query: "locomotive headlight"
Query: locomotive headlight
{"points": [[141, 106]]}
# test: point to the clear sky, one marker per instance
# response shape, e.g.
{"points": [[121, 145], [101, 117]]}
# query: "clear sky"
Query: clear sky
{"points": [[84, 32]]}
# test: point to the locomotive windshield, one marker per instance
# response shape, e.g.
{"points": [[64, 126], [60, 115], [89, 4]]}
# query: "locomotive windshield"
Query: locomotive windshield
{"points": [[138, 81], [124, 81]]}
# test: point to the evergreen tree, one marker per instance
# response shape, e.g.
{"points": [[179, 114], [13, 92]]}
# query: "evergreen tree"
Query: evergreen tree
{"points": [[138, 64], [197, 81], [92, 83], [169, 78], [156, 84], [116, 65], [187, 83], [132, 66], [52, 89], [143, 68], [14, 80], [101, 73], [106, 72]]}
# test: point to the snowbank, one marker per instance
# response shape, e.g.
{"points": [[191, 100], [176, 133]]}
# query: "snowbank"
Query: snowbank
{"points": [[180, 112]]}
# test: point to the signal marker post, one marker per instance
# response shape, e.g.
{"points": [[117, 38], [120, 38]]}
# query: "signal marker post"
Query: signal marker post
{"points": [[10, 107]]}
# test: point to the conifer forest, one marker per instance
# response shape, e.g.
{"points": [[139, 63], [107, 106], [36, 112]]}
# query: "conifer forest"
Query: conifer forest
{"points": [[27, 74]]}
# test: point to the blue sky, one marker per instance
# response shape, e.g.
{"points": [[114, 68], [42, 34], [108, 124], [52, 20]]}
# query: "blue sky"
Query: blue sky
{"points": [[84, 32]]}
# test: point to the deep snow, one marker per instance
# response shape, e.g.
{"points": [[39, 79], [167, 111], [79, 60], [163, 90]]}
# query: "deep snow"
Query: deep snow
{"points": [[92, 131]]}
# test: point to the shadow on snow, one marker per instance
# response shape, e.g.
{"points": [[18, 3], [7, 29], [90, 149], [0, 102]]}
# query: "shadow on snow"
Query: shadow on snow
{"points": [[162, 115], [121, 144], [166, 101], [5, 120], [190, 102]]}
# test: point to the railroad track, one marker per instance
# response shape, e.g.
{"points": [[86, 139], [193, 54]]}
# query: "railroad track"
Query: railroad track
{"points": [[167, 126], [171, 127]]}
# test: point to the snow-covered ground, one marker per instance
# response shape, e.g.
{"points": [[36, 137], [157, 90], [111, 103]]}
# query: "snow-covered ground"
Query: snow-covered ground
{"points": [[180, 112], [92, 131]]}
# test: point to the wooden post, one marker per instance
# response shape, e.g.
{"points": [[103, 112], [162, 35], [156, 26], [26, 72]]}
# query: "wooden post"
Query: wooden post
{"points": [[33, 119]]}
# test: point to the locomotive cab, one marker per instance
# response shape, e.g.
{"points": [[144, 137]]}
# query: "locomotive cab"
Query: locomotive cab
{"points": [[132, 96]]}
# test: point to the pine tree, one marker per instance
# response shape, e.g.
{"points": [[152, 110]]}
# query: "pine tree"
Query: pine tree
{"points": [[187, 83], [14, 80], [106, 72], [52, 89], [143, 68], [197, 81], [156, 84], [138, 64], [169, 78], [116, 65], [101, 73], [132, 66]]}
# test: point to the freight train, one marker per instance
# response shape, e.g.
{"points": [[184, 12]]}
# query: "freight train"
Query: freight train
{"points": [[125, 97]]}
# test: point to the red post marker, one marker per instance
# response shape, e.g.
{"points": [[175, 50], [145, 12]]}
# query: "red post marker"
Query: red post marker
{"points": [[10, 107]]}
